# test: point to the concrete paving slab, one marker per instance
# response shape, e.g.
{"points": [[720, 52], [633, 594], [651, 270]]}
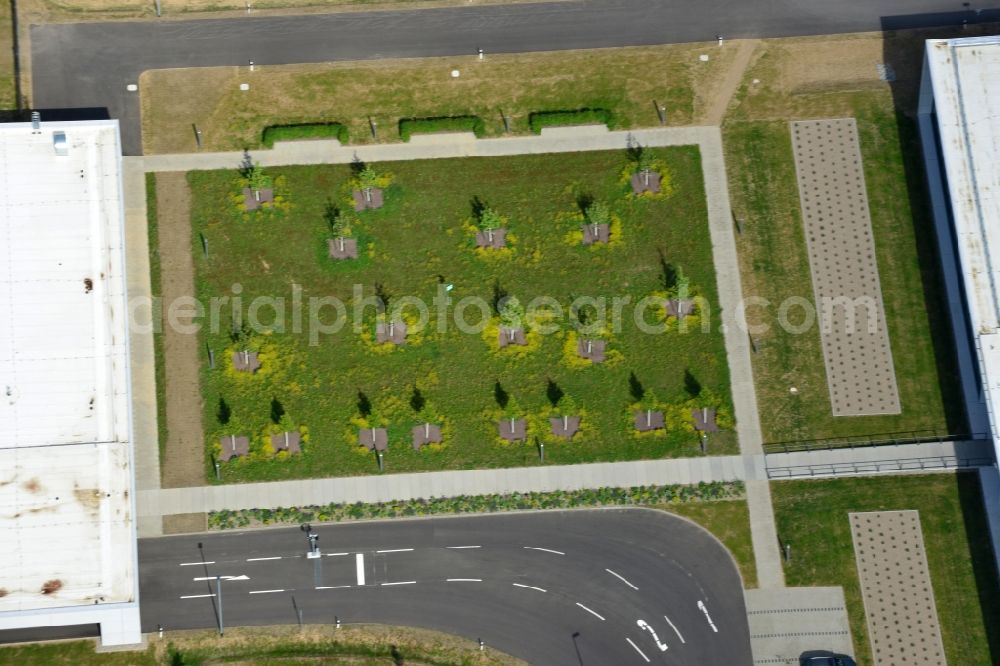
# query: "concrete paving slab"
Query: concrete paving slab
{"points": [[896, 587], [786, 622]]}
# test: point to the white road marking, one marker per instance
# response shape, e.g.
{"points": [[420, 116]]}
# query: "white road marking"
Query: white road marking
{"points": [[395, 550], [636, 648], [331, 587], [403, 582], [197, 596], [701, 607], [529, 587], [621, 578], [464, 580], [645, 626], [674, 628], [194, 564], [461, 547], [261, 559], [265, 591], [359, 560], [599, 617], [336, 554], [547, 550], [200, 578]]}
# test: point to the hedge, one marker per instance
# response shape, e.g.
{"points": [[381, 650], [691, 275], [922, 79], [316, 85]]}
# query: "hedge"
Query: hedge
{"points": [[274, 133], [559, 499], [409, 126], [540, 119]]}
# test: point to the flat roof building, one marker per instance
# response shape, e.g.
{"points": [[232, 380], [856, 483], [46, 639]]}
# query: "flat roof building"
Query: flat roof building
{"points": [[959, 116], [67, 512]]}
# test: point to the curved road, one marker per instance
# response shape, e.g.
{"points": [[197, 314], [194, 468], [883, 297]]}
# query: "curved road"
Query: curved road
{"points": [[88, 65], [621, 586]]}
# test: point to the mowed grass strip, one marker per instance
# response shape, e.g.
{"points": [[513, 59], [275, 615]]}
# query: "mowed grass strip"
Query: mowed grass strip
{"points": [[775, 266], [418, 239], [812, 517], [625, 81]]}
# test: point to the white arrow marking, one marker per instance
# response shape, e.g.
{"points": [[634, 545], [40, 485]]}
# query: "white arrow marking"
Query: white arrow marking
{"points": [[645, 627], [701, 607], [636, 648], [674, 628], [621, 578]]}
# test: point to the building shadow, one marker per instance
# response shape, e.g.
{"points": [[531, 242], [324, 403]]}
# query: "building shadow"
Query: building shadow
{"points": [[981, 554], [903, 56]]}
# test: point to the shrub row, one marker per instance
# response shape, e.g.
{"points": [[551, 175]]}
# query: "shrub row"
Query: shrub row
{"points": [[559, 499], [304, 131], [409, 126], [540, 119]]}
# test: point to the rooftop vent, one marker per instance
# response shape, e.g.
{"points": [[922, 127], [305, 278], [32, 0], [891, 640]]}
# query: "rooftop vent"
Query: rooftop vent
{"points": [[36, 121], [59, 143]]}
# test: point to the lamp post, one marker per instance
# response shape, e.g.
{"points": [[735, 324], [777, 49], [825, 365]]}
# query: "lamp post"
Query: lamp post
{"points": [[218, 594]]}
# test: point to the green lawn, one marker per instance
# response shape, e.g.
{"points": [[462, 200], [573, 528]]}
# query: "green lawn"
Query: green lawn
{"points": [[156, 289], [775, 266], [361, 645], [812, 516], [729, 521], [421, 234]]}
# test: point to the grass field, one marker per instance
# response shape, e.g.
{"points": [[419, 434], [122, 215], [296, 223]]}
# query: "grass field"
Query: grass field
{"points": [[774, 261], [812, 516], [421, 235], [626, 81], [7, 94], [729, 521], [360, 645]]}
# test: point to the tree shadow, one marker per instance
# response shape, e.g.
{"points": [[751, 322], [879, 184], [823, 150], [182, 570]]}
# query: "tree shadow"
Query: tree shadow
{"points": [[668, 273], [364, 405], [635, 387], [277, 411], [553, 392], [500, 395]]}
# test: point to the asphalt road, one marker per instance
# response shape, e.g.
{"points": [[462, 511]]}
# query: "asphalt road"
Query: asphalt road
{"points": [[88, 65], [624, 586]]}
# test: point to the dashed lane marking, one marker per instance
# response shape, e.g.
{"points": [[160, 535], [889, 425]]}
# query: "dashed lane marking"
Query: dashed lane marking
{"points": [[547, 550], [197, 596], [674, 628], [636, 648], [464, 580], [402, 582], [597, 615], [528, 587], [395, 550], [194, 564], [263, 559], [621, 578], [265, 591]]}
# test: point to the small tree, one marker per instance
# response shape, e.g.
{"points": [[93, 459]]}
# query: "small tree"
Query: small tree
{"points": [[596, 214], [368, 179], [339, 225], [257, 180], [682, 286], [489, 220], [512, 313]]}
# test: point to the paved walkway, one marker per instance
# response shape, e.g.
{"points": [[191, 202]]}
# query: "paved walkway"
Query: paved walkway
{"points": [[388, 487]]}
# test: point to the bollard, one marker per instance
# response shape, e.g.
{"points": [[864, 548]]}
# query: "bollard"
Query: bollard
{"points": [[482, 645], [251, 65], [159, 630], [336, 622], [480, 54]]}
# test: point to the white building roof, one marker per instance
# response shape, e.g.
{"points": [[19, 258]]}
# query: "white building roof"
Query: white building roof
{"points": [[965, 78], [66, 495]]}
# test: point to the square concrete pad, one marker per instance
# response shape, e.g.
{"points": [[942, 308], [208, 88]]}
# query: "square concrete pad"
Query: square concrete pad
{"points": [[850, 313], [896, 587], [343, 248], [785, 622], [373, 438]]}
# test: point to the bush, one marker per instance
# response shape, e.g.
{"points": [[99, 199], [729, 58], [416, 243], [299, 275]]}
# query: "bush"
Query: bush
{"points": [[409, 126], [558, 499], [304, 131], [540, 119]]}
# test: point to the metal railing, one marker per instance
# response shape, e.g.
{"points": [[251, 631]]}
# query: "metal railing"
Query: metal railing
{"points": [[881, 439], [872, 467]]}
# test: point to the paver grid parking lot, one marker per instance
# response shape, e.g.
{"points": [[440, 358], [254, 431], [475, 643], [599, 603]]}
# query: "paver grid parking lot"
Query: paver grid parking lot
{"points": [[848, 297], [896, 588]]}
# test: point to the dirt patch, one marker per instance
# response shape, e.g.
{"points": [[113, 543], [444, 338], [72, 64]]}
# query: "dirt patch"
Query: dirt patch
{"points": [[184, 456], [718, 102], [32, 486], [185, 523], [52, 586], [89, 499]]}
